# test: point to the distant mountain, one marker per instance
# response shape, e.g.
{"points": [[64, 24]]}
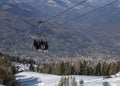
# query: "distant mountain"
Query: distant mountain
{"points": [[93, 36]]}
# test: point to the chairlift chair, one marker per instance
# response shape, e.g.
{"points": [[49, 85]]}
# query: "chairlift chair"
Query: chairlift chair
{"points": [[40, 43]]}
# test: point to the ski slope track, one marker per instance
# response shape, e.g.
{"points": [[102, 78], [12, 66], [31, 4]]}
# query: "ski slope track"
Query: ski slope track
{"points": [[40, 79], [36, 79]]}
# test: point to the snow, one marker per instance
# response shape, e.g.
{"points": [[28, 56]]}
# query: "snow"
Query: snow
{"points": [[40, 79], [2, 85], [20, 66], [67, 2], [36, 79], [52, 3], [118, 74], [5, 7]]}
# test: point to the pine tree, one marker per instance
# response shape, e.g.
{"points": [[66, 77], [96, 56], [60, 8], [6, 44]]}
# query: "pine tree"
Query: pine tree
{"points": [[32, 68], [67, 81], [103, 69], [98, 69], [74, 83], [112, 69]]}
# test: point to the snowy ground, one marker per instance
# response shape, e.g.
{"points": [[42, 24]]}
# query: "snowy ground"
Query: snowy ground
{"points": [[39, 79], [36, 79]]}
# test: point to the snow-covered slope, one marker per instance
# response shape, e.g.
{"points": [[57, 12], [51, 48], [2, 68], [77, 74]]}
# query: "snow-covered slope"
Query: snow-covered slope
{"points": [[62, 3], [39, 79], [36, 79]]}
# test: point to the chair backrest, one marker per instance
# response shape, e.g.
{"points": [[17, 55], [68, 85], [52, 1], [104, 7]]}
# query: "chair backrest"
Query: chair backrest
{"points": [[40, 44]]}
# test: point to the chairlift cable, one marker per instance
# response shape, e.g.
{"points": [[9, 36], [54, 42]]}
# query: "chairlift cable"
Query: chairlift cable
{"points": [[87, 13], [47, 20]]}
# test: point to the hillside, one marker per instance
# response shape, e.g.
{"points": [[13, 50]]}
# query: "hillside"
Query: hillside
{"points": [[39, 79], [93, 36]]}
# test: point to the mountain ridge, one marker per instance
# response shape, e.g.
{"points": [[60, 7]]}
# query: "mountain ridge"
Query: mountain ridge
{"points": [[93, 36]]}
